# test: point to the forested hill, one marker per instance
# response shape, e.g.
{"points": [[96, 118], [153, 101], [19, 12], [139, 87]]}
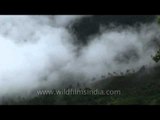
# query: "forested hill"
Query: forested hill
{"points": [[91, 25], [137, 88]]}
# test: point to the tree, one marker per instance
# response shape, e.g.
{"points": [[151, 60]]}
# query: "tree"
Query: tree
{"points": [[156, 57], [158, 19]]}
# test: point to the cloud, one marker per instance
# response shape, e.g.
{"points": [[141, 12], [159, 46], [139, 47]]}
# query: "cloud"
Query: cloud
{"points": [[38, 51]]}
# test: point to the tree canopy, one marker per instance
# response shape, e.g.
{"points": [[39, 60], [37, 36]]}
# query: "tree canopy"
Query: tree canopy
{"points": [[156, 57]]}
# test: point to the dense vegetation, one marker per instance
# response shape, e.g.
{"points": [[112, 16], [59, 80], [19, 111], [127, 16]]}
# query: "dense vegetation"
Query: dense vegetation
{"points": [[90, 25], [141, 87]]}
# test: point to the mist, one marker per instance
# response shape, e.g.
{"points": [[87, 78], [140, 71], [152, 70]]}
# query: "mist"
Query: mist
{"points": [[39, 51]]}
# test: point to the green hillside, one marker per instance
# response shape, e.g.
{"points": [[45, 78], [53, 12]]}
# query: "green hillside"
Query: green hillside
{"points": [[141, 87]]}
